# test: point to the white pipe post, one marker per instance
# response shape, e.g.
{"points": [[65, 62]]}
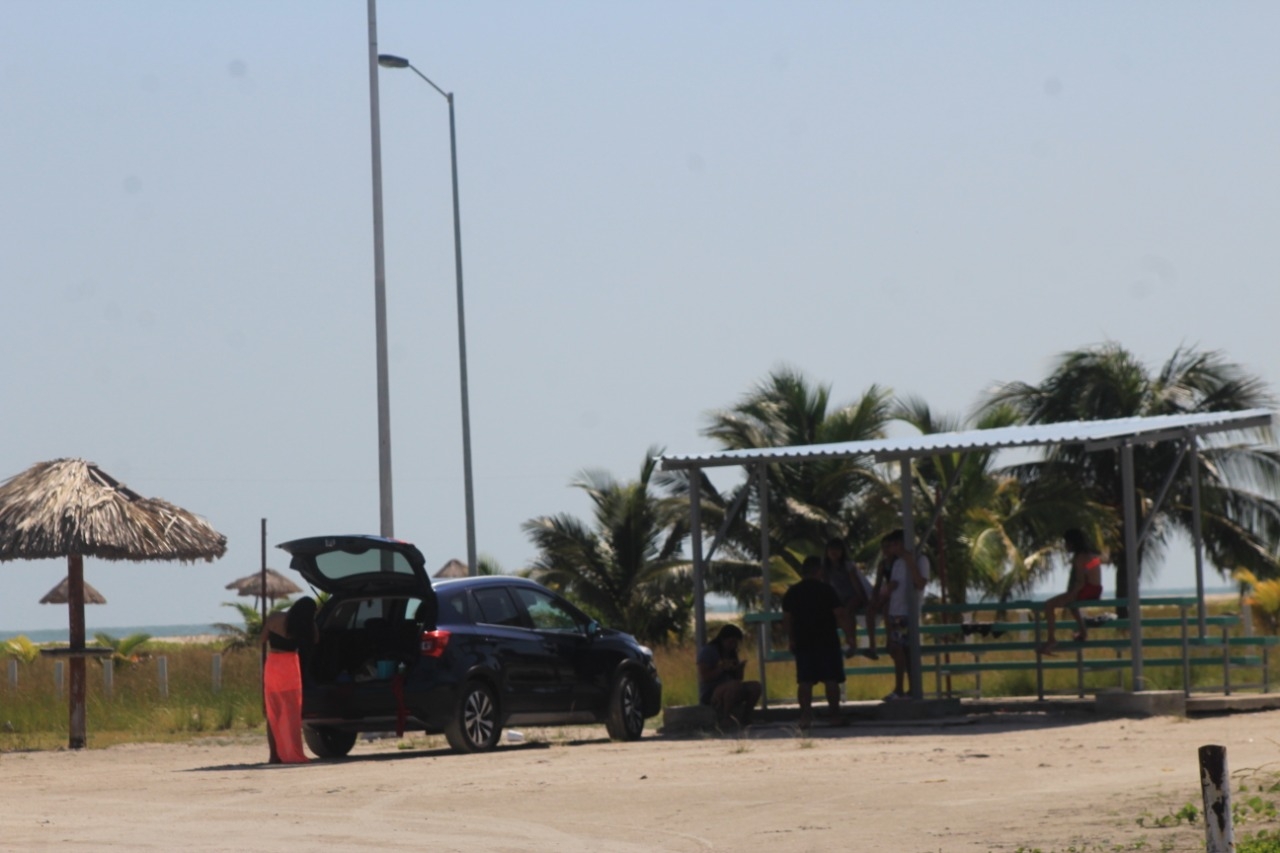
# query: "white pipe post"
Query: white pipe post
{"points": [[162, 668]]}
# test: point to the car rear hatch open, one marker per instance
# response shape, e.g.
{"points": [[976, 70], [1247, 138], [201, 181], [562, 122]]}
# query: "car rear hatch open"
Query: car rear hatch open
{"points": [[361, 565]]}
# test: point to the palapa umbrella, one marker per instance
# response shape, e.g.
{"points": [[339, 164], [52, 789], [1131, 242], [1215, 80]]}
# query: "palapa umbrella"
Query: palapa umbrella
{"points": [[276, 585], [72, 508], [452, 569], [61, 594]]}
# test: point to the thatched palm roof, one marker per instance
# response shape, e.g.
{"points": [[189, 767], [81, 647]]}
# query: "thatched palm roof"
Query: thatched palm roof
{"points": [[278, 586], [61, 594], [452, 569], [70, 506]]}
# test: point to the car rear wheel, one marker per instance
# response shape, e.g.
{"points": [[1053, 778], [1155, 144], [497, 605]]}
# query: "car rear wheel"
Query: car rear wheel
{"points": [[625, 720], [328, 743], [475, 726]]}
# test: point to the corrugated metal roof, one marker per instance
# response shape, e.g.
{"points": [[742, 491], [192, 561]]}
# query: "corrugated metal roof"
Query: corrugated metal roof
{"points": [[1096, 434]]}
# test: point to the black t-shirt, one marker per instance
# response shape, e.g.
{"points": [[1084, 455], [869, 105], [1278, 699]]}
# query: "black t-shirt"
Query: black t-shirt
{"points": [[811, 604]]}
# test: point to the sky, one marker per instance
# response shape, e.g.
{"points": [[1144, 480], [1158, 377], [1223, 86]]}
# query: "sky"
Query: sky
{"points": [[661, 202]]}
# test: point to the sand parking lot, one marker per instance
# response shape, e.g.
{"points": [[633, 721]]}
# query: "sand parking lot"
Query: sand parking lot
{"points": [[990, 782]]}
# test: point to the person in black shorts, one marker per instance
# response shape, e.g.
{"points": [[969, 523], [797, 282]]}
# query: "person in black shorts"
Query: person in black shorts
{"points": [[809, 612]]}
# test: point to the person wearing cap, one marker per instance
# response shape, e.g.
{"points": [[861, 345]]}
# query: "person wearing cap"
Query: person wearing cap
{"points": [[720, 682]]}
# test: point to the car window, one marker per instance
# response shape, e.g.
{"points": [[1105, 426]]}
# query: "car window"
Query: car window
{"points": [[546, 612], [455, 608], [497, 608]]}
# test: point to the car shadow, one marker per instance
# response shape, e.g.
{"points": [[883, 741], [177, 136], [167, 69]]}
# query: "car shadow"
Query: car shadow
{"points": [[372, 757]]}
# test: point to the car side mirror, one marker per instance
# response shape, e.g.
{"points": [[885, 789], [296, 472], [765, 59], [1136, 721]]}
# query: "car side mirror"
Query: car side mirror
{"points": [[593, 628]]}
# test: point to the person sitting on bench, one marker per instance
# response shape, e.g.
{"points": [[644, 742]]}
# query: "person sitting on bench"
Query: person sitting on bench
{"points": [[1085, 585]]}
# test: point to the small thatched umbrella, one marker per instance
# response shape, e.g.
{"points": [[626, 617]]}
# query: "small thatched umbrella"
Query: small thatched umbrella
{"points": [[61, 594], [452, 569], [277, 585], [71, 508]]}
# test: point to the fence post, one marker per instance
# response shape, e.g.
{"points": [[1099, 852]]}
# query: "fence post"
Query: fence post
{"points": [[162, 667], [13, 673], [1215, 782], [217, 672], [57, 676], [108, 676]]}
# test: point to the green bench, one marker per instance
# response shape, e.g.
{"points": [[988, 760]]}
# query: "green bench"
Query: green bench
{"points": [[942, 641]]}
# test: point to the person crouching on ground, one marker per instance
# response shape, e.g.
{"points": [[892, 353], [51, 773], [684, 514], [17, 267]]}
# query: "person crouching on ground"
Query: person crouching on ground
{"points": [[720, 683], [809, 612], [906, 569], [1085, 584]]}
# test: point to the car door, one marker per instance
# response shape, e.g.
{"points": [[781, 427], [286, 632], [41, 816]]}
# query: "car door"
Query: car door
{"points": [[581, 671], [526, 666]]}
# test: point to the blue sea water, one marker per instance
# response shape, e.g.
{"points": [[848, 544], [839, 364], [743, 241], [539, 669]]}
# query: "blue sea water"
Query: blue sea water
{"points": [[715, 604], [62, 635]]}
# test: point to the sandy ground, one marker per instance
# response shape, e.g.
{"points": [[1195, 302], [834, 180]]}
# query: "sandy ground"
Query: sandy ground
{"points": [[982, 783]]}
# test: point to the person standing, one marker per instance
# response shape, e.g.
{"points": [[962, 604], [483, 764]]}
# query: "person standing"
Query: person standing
{"points": [[1084, 584], [720, 683], [854, 593], [809, 614], [287, 636], [906, 570]]}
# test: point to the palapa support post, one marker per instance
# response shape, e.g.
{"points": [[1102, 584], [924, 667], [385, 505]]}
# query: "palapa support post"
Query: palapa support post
{"points": [[1215, 784], [75, 592]]}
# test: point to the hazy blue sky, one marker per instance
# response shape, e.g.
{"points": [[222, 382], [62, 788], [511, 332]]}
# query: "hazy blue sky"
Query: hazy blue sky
{"points": [[661, 202]]}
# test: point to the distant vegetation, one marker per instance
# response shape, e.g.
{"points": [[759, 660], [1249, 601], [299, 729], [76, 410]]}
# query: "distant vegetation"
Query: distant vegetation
{"points": [[998, 528]]}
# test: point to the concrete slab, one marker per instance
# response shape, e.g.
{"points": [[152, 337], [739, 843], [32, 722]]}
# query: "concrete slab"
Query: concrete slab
{"points": [[1142, 703]]}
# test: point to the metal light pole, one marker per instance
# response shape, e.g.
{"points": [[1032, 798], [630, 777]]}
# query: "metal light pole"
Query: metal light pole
{"points": [[388, 61], [380, 291]]}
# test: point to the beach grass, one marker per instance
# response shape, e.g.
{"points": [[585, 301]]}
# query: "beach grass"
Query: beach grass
{"points": [[34, 713]]}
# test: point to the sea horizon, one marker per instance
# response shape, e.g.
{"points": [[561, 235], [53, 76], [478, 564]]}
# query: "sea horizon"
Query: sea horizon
{"points": [[193, 629]]}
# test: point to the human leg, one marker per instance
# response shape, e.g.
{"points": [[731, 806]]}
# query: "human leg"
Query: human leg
{"points": [[804, 694], [897, 646], [1050, 622], [871, 632], [282, 684], [849, 625]]}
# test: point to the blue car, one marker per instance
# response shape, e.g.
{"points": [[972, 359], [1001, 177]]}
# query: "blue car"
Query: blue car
{"points": [[463, 657]]}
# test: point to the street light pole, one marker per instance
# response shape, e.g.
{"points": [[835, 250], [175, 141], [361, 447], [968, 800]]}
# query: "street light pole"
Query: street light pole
{"points": [[389, 61], [386, 515]]}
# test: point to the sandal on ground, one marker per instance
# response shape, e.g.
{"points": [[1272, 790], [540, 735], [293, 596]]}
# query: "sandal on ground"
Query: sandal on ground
{"points": [[1050, 649]]}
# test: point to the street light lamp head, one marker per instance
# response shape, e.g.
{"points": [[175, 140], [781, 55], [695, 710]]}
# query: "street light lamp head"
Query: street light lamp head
{"points": [[386, 60]]}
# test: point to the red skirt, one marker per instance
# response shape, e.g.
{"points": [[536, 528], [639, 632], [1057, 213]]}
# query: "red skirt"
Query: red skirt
{"points": [[282, 687]]}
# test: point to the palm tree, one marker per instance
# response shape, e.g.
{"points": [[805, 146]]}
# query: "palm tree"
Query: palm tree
{"points": [[626, 571], [248, 635], [807, 503], [125, 650], [994, 535], [1239, 480]]}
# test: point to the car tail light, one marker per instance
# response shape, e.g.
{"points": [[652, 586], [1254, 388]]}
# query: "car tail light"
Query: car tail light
{"points": [[434, 643]]}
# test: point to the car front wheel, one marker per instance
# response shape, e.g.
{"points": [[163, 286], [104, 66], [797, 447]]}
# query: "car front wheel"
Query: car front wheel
{"points": [[625, 720], [475, 726], [328, 743]]}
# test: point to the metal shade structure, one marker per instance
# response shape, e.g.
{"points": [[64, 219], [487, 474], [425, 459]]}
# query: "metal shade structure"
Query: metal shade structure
{"points": [[268, 584], [70, 508], [61, 594], [1120, 434]]}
